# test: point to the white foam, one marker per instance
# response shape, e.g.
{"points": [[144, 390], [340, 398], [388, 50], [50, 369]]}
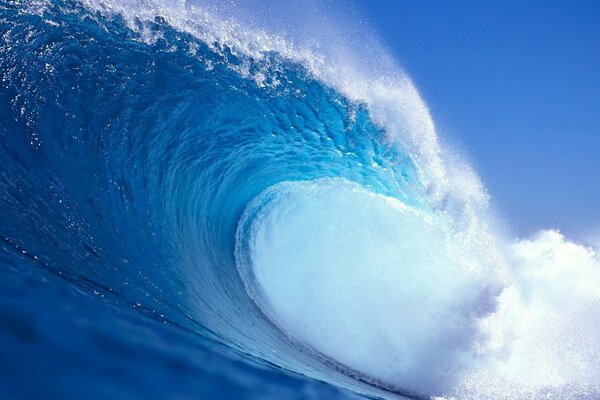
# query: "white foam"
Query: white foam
{"points": [[381, 287], [401, 296], [545, 336]]}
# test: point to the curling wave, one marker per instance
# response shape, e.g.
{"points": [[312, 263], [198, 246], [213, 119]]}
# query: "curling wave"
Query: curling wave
{"points": [[212, 194]]}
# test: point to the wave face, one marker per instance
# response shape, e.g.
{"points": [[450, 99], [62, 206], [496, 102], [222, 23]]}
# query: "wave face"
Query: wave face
{"points": [[189, 210]]}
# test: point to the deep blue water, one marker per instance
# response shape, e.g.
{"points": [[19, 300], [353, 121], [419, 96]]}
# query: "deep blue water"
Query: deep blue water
{"points": [[125, 166]]}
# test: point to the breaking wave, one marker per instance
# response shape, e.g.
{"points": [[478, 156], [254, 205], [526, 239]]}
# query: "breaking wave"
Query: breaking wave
{"points": [[292, 219]]}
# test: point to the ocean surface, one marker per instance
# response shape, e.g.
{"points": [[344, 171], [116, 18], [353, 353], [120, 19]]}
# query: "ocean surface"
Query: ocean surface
{"points": [[194, 210]]}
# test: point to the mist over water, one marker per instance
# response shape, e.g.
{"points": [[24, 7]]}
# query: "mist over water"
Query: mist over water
{"points": [[282, 200]]}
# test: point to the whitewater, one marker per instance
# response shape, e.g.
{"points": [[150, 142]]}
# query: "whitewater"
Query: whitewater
{"points": [[194, 206]]}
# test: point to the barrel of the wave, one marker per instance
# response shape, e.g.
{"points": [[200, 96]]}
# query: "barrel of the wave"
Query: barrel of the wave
{"points": [[377, 287]]}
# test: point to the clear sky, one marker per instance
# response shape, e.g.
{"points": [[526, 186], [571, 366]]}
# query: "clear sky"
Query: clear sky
{"points": [[516, 85]]}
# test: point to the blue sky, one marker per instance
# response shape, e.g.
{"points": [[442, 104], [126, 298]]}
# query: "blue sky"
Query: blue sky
{"points": [[516, 85]]}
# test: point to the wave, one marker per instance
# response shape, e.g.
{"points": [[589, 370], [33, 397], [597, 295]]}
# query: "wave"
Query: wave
{"points": [[293, 212]]}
